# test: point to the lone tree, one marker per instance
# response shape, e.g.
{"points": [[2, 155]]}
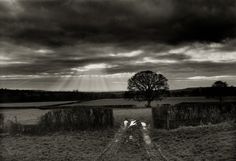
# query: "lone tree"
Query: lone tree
{"points": [[147, 86], [219, 90], [220, 84]]}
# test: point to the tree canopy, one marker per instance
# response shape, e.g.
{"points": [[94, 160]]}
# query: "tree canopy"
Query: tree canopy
{"points": [[220, 84], [147, 86], [219, 90]]}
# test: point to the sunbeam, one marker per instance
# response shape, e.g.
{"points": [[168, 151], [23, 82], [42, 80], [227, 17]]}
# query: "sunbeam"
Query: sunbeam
{"points": [[84, 81]]}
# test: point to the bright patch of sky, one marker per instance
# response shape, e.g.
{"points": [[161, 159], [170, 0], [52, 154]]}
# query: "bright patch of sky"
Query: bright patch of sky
{"points": [[217, 77], [91, 67], [44, 51], [206, 53], [127, 54], [154, 60]]}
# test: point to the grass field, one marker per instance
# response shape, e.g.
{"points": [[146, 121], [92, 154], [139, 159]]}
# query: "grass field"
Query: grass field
{"points": [[209, 142], [23, 116], [28, 113], [71, 146], [33, 104], [31, 116], [106, 102], [168, 100]]}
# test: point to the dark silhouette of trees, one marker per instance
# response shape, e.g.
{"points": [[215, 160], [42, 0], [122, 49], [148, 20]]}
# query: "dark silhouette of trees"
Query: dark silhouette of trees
{"points": [[10, 95], [220, 84], [147, 86], [219, 90]]}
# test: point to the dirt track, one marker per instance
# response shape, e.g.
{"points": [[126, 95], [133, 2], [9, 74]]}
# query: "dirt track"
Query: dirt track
{"points": [[131, 144], [213, 142]]}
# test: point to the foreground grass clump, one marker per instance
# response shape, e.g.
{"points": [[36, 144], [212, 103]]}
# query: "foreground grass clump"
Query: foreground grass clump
{"points": [[76, 119], [60, 146], [1, 122], [73, 119], [205, 142]]}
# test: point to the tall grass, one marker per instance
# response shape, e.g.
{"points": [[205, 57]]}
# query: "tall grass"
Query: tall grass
{"points": [[76, 119], [1, 122], [65, 120], [192, 114]]}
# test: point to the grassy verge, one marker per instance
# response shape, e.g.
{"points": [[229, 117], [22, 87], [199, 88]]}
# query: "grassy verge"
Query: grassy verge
{"points": [[207, 142], [69, 146]]}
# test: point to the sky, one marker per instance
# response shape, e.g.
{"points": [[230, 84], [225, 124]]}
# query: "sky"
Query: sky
{"points": [[97, 45]]}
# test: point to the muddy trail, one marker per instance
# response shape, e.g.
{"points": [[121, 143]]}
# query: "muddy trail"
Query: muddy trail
{"points": [[132, 144]]}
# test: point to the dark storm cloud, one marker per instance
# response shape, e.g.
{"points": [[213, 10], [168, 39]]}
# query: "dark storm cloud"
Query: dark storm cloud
{"points": [[25, 60], [178, 38], [169, 59], [181, 70], [178, 57], [58, 23]]}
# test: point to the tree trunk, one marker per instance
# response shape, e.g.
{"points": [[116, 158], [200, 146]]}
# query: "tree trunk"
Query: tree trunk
{"points": [[148, 104], [221, 104]]}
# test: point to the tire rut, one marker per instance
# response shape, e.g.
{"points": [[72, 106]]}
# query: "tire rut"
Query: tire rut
{"points": [[132, 144]]}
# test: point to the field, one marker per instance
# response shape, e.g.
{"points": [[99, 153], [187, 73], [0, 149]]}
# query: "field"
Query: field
{"points": [[101, 102], [55, 147], [210, 142], [168, 100], [28, 113], [31, 116], [23, 116], [32, 104]]}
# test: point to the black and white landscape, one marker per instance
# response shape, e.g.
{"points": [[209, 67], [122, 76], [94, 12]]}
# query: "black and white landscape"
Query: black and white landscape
{"points": [[117, 80]]}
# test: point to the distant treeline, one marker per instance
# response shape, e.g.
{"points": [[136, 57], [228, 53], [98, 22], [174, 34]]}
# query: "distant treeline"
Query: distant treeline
{"points": [[204, 91], [9, 95]]}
